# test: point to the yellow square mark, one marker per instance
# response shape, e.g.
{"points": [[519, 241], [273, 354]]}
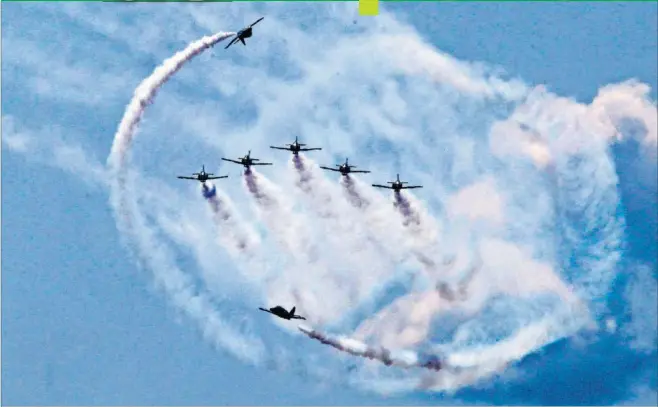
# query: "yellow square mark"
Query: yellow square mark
{"points": [[368, 7]]}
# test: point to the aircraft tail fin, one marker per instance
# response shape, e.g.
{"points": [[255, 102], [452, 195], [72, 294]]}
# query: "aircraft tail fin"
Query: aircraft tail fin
{"points": [[242, 41], [292, 311]]}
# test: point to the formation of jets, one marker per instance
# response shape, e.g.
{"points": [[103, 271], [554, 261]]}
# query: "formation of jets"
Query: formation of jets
{"points": [[295, 147]]}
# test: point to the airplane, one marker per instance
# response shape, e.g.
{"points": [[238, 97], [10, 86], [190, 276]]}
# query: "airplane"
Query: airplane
{"points": [[243, 33], [397, 185], [295, 147], [247, 161], [345, 169], [203, 176], [281, 312]]}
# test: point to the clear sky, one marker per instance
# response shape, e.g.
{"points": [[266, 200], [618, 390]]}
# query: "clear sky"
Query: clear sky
{"points": [[402, 92]]}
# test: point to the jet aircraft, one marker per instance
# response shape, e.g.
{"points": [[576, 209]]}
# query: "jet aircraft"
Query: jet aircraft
{"points": [[203, 176], [345, 168], [295, 147], [281, 312], [397, 185], [243, 33], [247, 161]]}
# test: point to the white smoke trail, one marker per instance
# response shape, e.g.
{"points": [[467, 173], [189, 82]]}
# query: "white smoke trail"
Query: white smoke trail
{"points": [[572, 141], [278, 214], [235, 236], [146, 91], [404, 359], [478, 362], [369, 265], [241, 242], [505, 266], [307, 278], [154, 254], [379, 217]]}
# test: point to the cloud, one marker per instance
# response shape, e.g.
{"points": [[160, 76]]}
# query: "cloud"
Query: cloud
{"points": [[618, 111], [13, 138], [622, 102], [478, 201], [48, 146], [643, 396], [641, 294]]}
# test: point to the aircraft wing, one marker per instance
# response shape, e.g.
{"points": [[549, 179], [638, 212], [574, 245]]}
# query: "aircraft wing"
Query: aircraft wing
{"points": [[280, 148], [181, 177], [232, 42], [266, 310], [256, 22], [232, 161], [360, 171], [330, 169], [381, 186], [309, 149], [220, 177], [412, 187]]}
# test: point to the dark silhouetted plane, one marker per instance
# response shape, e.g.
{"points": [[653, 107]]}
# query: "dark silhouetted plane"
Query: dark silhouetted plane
{"points": [[281, 312], [345, 168], [247, 161], [295, 147], [203, 176], [243, 33], [397, 185]]}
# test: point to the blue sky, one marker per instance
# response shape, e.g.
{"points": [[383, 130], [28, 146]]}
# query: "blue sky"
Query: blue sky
{"points": [[401, 92]]}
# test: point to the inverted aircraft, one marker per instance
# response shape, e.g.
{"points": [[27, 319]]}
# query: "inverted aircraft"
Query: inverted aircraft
{"points": [[202, 176], [243, 33], [281, 312], [397, 185], [345, 169], [296, 147], [247, 161]]}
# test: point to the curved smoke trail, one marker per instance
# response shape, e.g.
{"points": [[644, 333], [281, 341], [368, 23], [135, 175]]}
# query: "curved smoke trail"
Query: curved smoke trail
{"points": [[150, 252], [496, 255]]}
